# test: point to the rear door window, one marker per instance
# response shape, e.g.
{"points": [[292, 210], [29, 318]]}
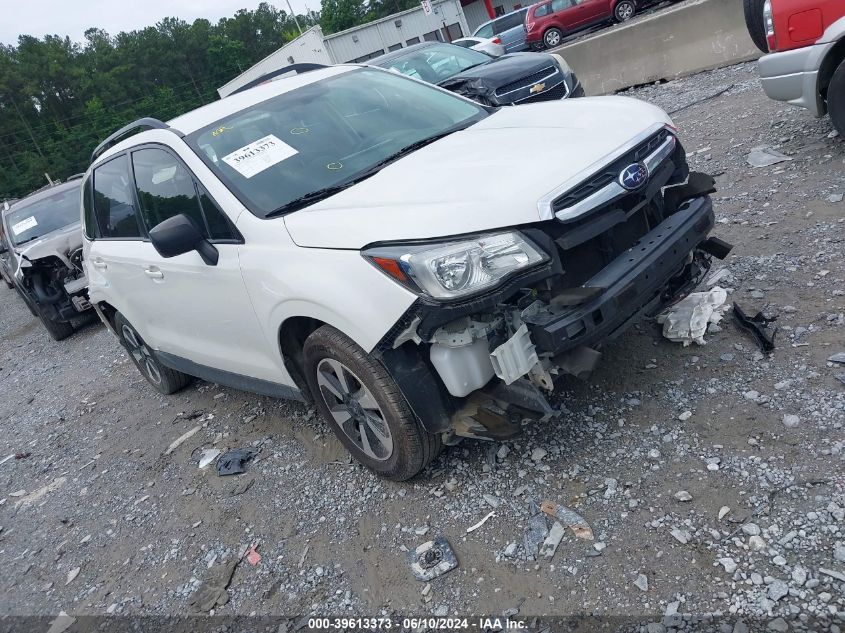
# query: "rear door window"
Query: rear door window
{"points": [[510, 21], [541, 11], [114, 201], [560, 5]]}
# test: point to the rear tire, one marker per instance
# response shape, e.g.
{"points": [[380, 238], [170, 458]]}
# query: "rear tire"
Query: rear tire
{"points": [[624, 10], [754, 21], [58, 330], [365, 408], [552, 38], [30, 304], [836, 99], [163, 379]]}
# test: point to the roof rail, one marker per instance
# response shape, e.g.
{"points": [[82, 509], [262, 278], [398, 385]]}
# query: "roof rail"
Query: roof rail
{"points": [[293, 68], [147, 123], [75, 177]]}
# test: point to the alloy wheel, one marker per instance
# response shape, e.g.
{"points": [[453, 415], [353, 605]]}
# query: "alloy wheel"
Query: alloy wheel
{"points": [[354, 409], [624, 11], [141, 354], [552, 38]]}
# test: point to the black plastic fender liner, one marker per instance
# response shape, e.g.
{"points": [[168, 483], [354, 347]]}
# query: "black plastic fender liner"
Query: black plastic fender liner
{"points": [[41, 292], [426, 395]]}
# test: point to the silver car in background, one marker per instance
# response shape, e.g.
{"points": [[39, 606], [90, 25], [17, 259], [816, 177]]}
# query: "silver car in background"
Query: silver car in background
{"points": [[508, 28], [492, 47]]}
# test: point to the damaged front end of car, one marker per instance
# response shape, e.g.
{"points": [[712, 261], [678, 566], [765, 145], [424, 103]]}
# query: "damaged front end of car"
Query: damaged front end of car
{"points": [[54, 278], [627, 242]]}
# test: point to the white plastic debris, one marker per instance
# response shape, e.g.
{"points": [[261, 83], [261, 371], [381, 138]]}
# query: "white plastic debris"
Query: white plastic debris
{"points": [[473, 528], [687, 321], [208, 456], [766, 156]]}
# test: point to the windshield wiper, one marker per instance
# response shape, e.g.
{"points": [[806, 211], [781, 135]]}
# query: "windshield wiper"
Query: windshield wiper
{"points": [[322, 194], [29, 239]]}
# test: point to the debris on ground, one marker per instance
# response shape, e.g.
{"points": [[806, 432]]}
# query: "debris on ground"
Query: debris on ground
{"points": [[72, 574], [252, 555], [212, 590], [550, 545], [473, 528], [839, 357], [32, 497], [433, 559], [760, 326], [233, 462], [766, 156], [181, 439], [62, 623], [208, 456], [241, 487], [569, 518], [686, 322], [641, 582], [537, 531], [22, 455]]}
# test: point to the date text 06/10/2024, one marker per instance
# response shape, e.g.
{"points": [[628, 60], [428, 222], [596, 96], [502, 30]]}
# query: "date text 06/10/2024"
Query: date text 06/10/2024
{"points": [[431, 623]]}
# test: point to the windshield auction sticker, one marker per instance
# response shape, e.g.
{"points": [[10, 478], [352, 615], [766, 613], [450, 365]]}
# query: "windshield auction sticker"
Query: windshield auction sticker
{"points": [[24, 225], [259, 155]]}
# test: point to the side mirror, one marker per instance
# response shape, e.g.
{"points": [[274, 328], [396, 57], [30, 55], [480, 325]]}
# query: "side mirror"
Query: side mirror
{"points": [[178, 235]]}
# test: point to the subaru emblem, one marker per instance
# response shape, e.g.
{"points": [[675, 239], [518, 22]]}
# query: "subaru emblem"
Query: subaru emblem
{"points": [[634, 176]]}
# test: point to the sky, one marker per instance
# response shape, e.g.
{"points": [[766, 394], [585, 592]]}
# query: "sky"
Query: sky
{"points": [[74, 17]]}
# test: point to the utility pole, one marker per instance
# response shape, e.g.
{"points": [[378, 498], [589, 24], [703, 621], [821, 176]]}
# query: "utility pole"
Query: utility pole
{"points": [[294, 17], [31, 136]]}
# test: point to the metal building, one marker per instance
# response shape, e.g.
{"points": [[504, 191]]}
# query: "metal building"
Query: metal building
{"points": [[445, 23]]}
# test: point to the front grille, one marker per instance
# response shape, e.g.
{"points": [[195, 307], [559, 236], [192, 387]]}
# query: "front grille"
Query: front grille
{"points": [[555, 93], [589, 242], [610, 172], [525, 82]]}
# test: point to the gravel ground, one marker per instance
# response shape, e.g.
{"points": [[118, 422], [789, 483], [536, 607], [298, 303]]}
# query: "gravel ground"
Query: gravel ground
{"points": [[712, 477]]}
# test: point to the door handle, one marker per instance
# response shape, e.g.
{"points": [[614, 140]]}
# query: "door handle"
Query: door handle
{"points": [[99, 263], [153, 272]]}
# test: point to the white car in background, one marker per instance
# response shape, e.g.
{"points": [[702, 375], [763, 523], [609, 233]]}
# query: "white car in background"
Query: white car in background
{"points": [[491, 46], [418, 265]]}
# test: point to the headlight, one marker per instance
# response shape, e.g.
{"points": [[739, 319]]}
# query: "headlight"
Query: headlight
{"points": [[564, 67], [457, 269]]}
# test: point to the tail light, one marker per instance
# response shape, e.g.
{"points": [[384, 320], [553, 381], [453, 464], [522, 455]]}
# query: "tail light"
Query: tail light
{"points": [[769, 25], [529, 23], [496, 40]]}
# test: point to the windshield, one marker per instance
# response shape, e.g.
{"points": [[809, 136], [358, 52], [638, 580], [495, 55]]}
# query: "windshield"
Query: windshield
{"points": [[325, 135], [436, 63], [27, 222]]}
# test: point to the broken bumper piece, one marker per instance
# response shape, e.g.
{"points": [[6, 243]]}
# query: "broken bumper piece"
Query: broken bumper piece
{"points": [[641, 282]]}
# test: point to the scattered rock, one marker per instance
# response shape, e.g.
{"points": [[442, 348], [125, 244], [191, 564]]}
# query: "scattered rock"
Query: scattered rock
{"points": [[683, 496]]}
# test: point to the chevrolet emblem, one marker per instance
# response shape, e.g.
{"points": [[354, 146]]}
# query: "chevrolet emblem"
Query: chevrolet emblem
{"points": [[537, 88]]}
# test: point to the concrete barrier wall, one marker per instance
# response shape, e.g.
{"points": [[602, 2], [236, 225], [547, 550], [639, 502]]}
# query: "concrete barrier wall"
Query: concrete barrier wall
{"points": [[698, 35]]}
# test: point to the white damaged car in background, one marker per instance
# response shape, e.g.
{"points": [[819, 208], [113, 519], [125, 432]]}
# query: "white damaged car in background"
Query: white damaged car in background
{"points": [[42, 241], [420, 266]]}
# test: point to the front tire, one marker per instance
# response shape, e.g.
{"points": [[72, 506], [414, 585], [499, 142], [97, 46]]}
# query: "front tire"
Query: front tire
{"points": [[836, 99], [365, 408], [624, 10], [552, 38], [163, 379], [58, 330]]}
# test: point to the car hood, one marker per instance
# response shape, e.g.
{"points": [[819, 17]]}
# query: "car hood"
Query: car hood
{"points": [[502, 70], [58, 243], [489, 176]]}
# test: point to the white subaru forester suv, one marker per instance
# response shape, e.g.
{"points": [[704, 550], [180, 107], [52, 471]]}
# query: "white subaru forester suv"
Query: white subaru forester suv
{"points": [[419, 266]]}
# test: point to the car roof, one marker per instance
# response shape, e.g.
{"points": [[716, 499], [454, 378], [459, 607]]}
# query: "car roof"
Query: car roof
{"points": [[204, 116], [499, 17], [46, 192]]}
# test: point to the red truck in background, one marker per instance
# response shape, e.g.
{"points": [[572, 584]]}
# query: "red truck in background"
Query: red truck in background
{"points": [[805, 45]]}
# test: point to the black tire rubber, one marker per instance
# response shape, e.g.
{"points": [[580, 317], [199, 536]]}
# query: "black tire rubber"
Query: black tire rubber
{"points": [[58, 330], [836, 99], [413, 447], [578, 92], [552, 30], [30, 303], [754, 22], [171, 380], [619, 4]]}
